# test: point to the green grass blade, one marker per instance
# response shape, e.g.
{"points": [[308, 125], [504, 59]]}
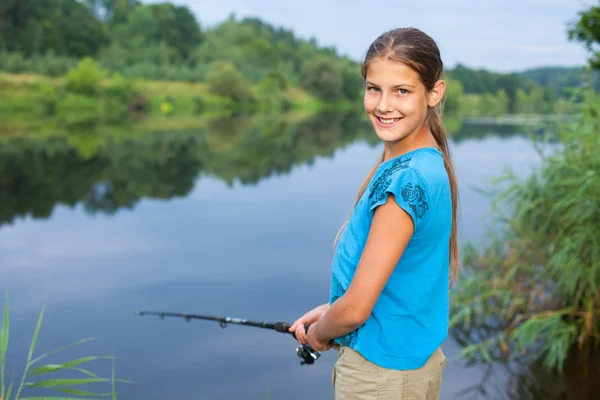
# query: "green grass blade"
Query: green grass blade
{"points": [[3, 347], [79, 392], [77, 343], [36, 333], [114, 393], [9, 391], [57, 382], [51, 398], [31, 349], [49, 368]]}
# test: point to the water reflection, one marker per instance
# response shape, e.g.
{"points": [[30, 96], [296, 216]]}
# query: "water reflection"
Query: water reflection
{"points": [[531, 381], [109, 172]]}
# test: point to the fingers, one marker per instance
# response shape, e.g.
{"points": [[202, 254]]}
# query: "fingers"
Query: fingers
{"points": [[301, 334], [296, 324], [298, 329]]}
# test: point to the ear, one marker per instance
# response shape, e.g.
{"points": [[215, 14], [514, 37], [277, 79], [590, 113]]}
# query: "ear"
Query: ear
{"points": [[436, 94]]}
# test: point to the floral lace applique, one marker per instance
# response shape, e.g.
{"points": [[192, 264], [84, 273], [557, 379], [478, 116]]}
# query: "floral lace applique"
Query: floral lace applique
{"points": [[383, 181], [414, 195]]}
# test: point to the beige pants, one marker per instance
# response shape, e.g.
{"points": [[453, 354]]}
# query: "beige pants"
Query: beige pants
{"points": [[355, 378]]}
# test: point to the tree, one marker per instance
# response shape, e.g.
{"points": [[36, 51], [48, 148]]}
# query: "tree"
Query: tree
{"points": [[587, 30], [353, 81], [111, 11], [65, 27], [323, 77], [454, 95], [175, 26]]}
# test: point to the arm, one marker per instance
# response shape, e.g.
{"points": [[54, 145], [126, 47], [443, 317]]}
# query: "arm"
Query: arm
{"points": [[390, 232]]}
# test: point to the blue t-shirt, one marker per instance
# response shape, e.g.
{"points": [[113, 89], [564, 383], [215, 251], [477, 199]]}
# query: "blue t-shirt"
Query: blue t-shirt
{"points": [[410, 318]]}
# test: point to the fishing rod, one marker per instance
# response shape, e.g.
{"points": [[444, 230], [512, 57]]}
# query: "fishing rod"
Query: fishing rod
{"points": [[304, 351]]}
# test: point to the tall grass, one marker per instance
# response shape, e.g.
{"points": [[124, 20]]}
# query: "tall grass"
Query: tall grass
{"points": [[535, 290], [33, 370]]}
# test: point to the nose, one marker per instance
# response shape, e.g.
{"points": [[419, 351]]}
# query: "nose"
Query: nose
{"points": [[384, 104]]}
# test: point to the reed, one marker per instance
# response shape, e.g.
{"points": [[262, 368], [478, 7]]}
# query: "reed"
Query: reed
{"points": [[33, 370], [534, 291]]}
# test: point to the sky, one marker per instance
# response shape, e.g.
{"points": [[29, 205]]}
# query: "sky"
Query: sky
{"points": [[499, 35]]}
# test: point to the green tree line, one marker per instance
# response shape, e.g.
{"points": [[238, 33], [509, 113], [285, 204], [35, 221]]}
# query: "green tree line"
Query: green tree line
{"points": [[165, 41]]}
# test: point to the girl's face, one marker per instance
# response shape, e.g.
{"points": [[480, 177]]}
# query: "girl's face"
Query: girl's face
{"points": [[395, 99]]}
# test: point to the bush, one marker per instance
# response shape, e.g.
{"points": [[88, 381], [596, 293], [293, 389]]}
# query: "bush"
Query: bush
{"points": [[14, 63], [85, 78], [225, 80], [536, 288]]}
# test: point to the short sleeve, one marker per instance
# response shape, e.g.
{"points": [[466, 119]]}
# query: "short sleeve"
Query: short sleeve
{"points": [[410, 191]]}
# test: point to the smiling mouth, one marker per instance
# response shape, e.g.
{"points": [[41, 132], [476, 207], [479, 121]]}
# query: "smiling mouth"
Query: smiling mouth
{"points": [[387, 121]]}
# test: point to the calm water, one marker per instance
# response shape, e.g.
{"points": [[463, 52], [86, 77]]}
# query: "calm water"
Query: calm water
{"points": [[233, 221]]}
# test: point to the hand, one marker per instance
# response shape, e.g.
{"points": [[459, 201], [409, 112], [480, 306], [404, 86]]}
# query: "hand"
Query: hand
{"points": [[309, 318], [314, 341]]}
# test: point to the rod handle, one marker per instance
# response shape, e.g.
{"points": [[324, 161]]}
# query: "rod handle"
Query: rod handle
{"points": [[284, 327]]}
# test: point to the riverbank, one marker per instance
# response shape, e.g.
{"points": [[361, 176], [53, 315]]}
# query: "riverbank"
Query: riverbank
{"points": [[87, 95]]}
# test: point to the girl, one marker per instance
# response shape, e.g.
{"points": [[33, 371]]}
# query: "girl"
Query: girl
{"points": [[396, 255]]}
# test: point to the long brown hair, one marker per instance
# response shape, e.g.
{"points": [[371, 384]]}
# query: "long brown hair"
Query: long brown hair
{"points": [[417, 50]]}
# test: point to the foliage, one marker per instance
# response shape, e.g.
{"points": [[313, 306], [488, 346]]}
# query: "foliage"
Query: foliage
{"points": [[322, 77], [159, 41], [536, 287], [47, 64], [249, 47], [533, 102], [225, 80], [32, 371], [562, 79], [587, 31], [482, 81], [64, 27], [454, 95], [164, 29], [164, 41], [486, 84], [87, 94], [111, 11], [85, 78]]}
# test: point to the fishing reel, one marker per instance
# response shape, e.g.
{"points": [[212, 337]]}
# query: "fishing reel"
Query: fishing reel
{"points": [[304, 351], [307, 354]]}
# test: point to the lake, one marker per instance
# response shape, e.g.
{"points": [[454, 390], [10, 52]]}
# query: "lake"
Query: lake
{"points": [[236, 219]]}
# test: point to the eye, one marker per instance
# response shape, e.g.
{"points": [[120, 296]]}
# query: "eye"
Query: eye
{"points": [[372, 89], [403, 91]]}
